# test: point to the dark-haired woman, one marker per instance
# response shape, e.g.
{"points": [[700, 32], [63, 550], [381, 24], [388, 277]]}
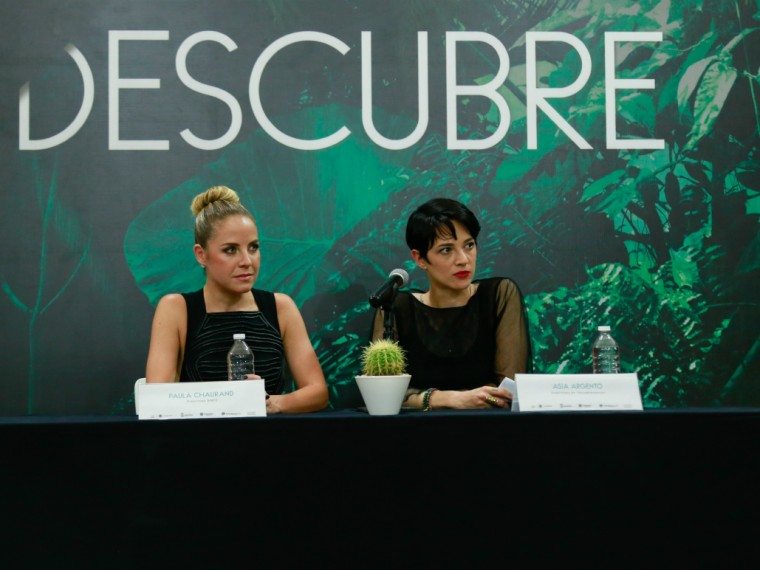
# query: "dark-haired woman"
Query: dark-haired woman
{"points": [[462, 335]]}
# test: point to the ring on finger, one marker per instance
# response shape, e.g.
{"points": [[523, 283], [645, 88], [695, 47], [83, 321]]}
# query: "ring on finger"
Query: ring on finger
{"points": [[491, 400]]}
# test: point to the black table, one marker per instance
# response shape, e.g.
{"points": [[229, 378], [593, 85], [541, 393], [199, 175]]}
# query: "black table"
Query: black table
{"points": [[344, 489]]}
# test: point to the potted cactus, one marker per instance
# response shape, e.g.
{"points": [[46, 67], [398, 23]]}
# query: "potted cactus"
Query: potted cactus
{"points": [[384, 381]]}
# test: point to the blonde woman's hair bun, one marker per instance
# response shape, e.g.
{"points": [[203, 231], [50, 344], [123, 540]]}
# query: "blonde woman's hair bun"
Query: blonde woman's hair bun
{"points": [[213, 194], [212, 207]]}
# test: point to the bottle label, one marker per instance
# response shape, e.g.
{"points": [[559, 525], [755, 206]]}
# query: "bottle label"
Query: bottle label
{"points": [[239, 361], [239, 367], [606, 360]]}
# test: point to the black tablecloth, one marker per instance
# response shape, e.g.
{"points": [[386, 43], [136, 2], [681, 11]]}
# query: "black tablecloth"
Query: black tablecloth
{"points": [[329, 489]]}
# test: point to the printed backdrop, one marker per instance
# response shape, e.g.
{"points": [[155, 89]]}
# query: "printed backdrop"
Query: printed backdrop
{"points": [[616, 177]]}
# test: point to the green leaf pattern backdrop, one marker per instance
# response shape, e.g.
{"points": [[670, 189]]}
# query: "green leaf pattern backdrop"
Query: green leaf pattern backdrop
{"points": [[661, 245]]}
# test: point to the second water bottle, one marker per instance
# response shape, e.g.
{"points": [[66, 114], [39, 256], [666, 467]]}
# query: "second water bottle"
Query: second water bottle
{"points": [[605, 353]]}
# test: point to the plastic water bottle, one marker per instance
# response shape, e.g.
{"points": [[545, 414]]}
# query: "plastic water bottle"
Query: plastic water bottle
{"points": [[605, 353], [239, 359]]}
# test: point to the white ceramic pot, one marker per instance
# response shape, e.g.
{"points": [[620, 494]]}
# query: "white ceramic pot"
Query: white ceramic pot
{"points": [[383, 395]]}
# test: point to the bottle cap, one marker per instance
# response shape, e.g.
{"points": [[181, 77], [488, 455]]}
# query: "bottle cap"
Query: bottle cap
{"points": [[603, 328], [238, 336]]}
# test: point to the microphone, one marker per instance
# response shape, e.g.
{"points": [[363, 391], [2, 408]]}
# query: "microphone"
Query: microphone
{"points": [[396, 278]]}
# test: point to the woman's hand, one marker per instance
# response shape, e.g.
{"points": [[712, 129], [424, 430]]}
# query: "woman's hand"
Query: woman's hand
{"points": [[273, 404], [477, 398]]}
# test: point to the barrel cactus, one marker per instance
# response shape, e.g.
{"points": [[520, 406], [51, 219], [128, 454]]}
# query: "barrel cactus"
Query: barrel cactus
{"points": [[383, 357]]}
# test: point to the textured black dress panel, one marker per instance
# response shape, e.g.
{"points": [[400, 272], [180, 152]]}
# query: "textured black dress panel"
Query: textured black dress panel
{"points": [[209, 338]]}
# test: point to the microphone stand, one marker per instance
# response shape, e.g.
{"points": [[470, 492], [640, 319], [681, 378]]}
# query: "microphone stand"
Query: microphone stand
{"points": [[387, 307], [388, 317]]}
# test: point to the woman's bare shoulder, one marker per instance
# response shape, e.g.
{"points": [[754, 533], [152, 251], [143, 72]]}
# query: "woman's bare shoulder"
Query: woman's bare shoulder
{"points": [[172, 303], [284, 303]]}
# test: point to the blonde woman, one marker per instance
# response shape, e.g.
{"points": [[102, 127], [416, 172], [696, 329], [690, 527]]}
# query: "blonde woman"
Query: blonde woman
{"points": [[192, 332]]}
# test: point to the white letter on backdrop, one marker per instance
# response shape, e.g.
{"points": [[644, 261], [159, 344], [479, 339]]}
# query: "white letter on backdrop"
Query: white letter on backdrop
{"points": [[536, 97], [488, 90], [205, 89], [24, 141], [115, 83], [422, 95], [255, 82], [612, 84]]}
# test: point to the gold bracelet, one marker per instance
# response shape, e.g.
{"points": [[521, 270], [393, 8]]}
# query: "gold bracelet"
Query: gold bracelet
{"points": [[426, 399]]}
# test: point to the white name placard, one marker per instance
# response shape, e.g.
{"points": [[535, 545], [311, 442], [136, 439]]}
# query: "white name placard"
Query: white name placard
{"points": [[578, 392], [188, 400]]}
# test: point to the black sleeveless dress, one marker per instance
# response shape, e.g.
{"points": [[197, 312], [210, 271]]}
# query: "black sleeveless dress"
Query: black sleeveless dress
{"points": [[209, 337]]}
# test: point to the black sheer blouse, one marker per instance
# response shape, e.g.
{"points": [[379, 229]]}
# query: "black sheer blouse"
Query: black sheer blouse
{"points": [[461, 348]]}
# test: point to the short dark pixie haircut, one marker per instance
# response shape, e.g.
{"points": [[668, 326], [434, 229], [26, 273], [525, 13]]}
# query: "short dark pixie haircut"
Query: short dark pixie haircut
{"points": [[435, 218]]}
